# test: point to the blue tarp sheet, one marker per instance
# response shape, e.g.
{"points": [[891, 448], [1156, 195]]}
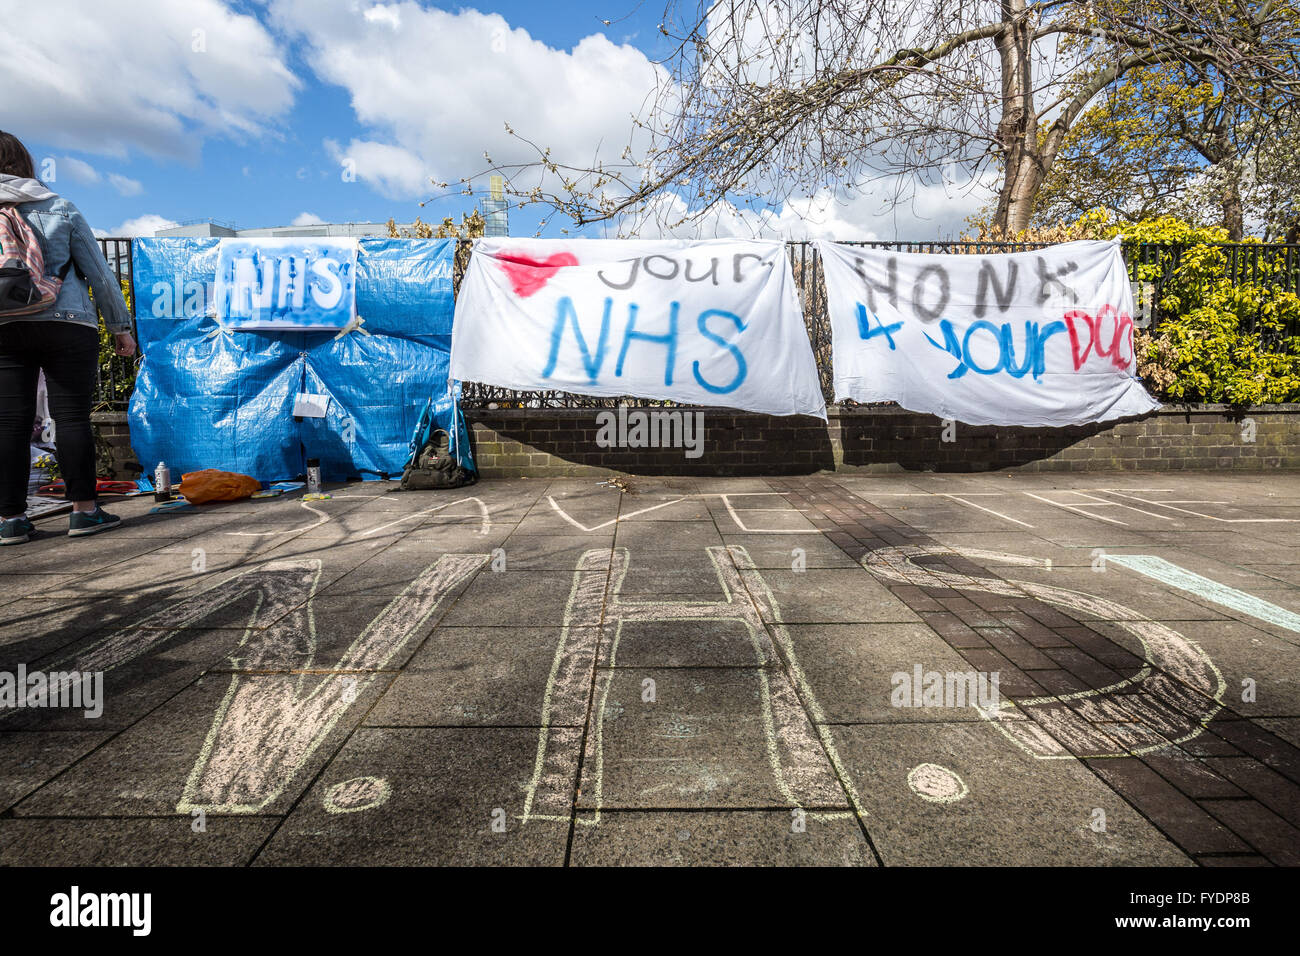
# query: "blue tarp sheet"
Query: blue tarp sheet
{"points": [[212, 398]]}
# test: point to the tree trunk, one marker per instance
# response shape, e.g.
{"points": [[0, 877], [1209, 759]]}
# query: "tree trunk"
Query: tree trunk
{"points": [[1233, 218], [1018, 127], [1021, 191]]}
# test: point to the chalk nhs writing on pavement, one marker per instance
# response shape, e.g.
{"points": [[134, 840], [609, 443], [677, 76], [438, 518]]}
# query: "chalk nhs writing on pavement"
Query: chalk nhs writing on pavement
{"points": [[1035, 338], [286, 283], [1169, 700], [714, 321]]}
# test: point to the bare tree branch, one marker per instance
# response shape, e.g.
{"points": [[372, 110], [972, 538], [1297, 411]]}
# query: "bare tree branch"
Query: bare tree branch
{"points": [[767, 99]]}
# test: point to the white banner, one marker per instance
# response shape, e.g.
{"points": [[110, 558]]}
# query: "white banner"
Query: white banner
{"points": [[712, 322], [1026, 338]]}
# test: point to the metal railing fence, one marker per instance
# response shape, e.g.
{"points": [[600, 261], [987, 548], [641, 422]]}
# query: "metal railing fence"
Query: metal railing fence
{"points": [[1152, 267]]}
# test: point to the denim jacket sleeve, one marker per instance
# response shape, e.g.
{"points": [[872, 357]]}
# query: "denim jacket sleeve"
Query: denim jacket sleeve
{"points": [[88, 258]]}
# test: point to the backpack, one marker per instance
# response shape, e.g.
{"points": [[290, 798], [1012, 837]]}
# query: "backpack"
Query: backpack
{"points": [[24, 287], [434, 466]]}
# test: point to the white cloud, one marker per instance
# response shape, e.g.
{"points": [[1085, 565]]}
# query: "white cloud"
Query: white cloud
{"points": [[380, 13], [77, 170], [391, 171], [307, 219], [430, 89], [145, 225], [149, 75], [433, 91], [436, 94], [924, 212], [125, 184], [80, 171]]}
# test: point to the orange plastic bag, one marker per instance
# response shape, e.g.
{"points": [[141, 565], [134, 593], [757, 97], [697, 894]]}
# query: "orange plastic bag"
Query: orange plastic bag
{"points": [[201, 487]]}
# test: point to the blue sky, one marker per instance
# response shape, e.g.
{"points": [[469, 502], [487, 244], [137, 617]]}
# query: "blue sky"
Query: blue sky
{"points": [[269, 179], [251, 112]]}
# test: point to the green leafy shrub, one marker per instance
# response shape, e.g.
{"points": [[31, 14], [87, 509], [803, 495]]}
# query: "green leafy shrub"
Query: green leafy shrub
{"points": [[112, 367], [1221, 337]]}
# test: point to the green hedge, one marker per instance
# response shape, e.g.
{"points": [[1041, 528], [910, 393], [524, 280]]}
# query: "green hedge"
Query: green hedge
{"points": [[1225, 333]]}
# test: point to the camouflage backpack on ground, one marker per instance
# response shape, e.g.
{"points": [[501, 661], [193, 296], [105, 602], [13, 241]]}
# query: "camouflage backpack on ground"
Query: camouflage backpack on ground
{"points": [[434, 466]]}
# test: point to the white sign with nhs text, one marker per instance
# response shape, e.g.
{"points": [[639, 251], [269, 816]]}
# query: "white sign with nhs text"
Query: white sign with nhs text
{"points": [[711, 322]]}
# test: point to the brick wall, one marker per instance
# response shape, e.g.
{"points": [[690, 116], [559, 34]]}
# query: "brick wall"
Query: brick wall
{"points": [[1175, 438], [562, 442], [527, 442], [113, 446]]}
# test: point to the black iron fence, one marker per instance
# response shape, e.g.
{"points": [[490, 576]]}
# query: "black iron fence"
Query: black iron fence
{"points": [[1152, 267], [116, 374]]}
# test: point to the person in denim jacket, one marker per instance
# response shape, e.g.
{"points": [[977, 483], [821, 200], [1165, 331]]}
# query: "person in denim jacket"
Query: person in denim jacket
{"points": [[62, 341]]}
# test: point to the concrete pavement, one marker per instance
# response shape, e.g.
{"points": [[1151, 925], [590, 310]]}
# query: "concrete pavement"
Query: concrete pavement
{"points": [[694, 671]]}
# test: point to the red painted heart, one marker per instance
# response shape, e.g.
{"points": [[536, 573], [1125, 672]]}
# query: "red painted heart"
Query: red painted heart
{"points": [[527, 274]]}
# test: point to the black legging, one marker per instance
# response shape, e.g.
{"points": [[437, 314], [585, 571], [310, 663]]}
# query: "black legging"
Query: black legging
{"points": [[69, 355]]}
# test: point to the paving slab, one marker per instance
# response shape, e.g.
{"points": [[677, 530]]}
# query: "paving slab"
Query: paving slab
{"points": [[855, 670], [41, 556], [132, 842], [1239, 546], [168, 662], [28, 759], [1287, 574], [1137, 594], [832, 596], [33, 629], [961, 794], [248, 547], [537, 552], [598, 519], [226, 744], [648, 536], [483, 677], [675, 575], [709, 738], [699, 643], [322, 640], [389, 569], [371, 678], [662, 507], [734, 838], [507, 598], [1241, 653], [1288, 728], [42, 585], [425, 797], [786, 552]]}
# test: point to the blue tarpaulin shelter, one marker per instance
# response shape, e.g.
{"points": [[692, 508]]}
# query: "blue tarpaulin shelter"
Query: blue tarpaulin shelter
{"points": [[210, 397]]}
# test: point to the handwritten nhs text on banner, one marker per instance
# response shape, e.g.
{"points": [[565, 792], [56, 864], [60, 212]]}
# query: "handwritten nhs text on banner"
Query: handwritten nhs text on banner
{"points": [[713, 321]]}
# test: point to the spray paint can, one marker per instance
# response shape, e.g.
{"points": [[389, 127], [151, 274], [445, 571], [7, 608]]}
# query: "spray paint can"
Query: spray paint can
{"points": [[162, 482], [313, 476]]}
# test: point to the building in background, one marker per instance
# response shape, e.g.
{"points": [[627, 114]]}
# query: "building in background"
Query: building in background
{"points": [[211, 228], [495, 220], [117, 251]]}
